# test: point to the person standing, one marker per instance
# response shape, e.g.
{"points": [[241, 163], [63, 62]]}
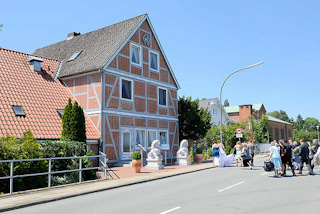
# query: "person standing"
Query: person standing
{"points": [[304, 157], [215, 153], [251, 148], [287, 158], [316, 146], [245, 156], [275, 158], [237, 154]]}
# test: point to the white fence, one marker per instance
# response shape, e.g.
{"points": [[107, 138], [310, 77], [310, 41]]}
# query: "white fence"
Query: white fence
{"points": [[102, 160], [262, 147]]}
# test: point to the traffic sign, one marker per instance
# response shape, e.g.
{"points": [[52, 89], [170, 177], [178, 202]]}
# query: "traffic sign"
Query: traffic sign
{"points": [[238, 131], [239, 135]]}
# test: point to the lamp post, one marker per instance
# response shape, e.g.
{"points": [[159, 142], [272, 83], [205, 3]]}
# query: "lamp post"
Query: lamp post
{"points": [[318, 132], [221, 94]]}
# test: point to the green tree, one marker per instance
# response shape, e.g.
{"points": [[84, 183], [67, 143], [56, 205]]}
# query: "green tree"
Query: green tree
{"points": [[66, 121], [310, 124], [226, 103], [73, 123], [1, 26], [260, 130], [193, 122], [282, 115], [299, 123]]}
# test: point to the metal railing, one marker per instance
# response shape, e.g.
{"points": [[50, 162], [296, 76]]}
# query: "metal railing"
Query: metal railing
{"points": [[102, 159], [262, 147]]}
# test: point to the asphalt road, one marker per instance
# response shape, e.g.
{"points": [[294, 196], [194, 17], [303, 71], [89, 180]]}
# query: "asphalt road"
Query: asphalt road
{"points": [[216, 190]]}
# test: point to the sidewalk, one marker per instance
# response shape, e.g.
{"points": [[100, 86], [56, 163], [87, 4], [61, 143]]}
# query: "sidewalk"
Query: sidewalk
{"points": [[126, 174]]}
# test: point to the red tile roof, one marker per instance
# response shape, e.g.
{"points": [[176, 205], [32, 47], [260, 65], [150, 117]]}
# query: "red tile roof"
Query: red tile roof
{"points": [[37, 93]]}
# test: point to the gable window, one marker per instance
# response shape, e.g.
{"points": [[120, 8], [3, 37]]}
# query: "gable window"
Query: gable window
{"points": [[126, 89], [162, 97], [18, 111], [154, 61], [136, 54]]}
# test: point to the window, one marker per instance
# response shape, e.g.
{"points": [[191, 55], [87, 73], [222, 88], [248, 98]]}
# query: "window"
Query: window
{"points": [[140, 138], [135, 54], [152, 135], [163, 137], [154, 61], [18, 111], [126, 141], [282, 133], [162, 97], [60, 112], [276, 133], [126, 89], [74, 56], [289, 132]]}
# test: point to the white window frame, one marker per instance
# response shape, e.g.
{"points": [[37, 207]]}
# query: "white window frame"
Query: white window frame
{"points": [[140, 54], [158, 59], [135, 137], [130, 149], [152, 130], [167, 136], [120, 89], [159, 97]]}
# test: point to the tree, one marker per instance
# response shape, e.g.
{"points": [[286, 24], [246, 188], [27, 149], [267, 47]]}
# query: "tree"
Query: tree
{"points": [[260, 130], [226, 103], [73, 123], [193, 122], [282, 115], [310, 124], [66, 121], [1, 26], [299, 123]]}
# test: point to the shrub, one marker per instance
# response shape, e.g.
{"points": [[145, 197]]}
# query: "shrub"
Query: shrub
{"points": [[191, 159], [136, 155], [198, 151]]}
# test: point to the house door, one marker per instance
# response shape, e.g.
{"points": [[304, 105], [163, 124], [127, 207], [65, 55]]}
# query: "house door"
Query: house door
{"points": [[126, 143]]}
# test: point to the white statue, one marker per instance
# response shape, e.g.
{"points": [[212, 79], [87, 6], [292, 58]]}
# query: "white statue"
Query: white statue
{"points": [[183, 151], [155, 150], [183, 154]]}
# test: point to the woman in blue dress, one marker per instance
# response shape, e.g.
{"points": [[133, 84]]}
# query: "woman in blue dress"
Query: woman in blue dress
{"points": [[275, 158], [215, 153]]}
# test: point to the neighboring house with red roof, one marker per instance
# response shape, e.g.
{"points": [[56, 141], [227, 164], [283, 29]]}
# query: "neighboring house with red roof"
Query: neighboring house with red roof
{"points": [[277, 129], [122, 79], [31, 98]]}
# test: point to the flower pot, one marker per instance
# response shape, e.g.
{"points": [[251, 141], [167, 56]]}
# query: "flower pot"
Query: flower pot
{"points": [[136, 165], [199, 157]]}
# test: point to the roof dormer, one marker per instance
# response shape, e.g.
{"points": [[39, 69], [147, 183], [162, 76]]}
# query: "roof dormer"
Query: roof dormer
{"points": [[35, 63]]}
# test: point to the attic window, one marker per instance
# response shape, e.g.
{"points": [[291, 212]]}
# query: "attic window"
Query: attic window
{"points": [[18, 111], [74, 56], [60, 112]]}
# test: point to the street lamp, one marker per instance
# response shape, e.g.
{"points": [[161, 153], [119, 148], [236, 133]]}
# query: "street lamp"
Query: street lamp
{"points": [[318, 132], [251, 66]]}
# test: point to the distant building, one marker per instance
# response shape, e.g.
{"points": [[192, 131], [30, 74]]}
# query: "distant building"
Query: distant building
{"points": [[213, 106], [278, 129]]}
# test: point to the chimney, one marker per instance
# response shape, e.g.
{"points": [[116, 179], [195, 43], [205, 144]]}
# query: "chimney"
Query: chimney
{"points": [[73, 34], [35, 63]]}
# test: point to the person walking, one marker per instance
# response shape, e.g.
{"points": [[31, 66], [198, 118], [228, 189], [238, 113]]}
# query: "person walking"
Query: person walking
{"points": [[282, 155], [251, 148], [287, 158], [275, 158], [237, 154], [304, 157]]}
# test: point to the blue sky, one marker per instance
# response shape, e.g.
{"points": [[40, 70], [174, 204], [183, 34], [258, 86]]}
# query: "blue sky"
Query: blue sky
{"points": [[205, 41]]}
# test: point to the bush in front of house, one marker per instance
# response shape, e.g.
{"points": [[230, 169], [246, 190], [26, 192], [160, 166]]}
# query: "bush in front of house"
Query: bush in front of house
{"points": [[26, 147]]}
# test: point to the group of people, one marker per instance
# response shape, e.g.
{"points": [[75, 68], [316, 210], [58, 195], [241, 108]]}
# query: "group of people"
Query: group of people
{"points": [[289, 153], [243, 154]]}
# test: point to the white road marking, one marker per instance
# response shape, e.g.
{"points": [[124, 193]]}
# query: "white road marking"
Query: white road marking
{"points": [[167, 211], [231, 186], [265, 173]]}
